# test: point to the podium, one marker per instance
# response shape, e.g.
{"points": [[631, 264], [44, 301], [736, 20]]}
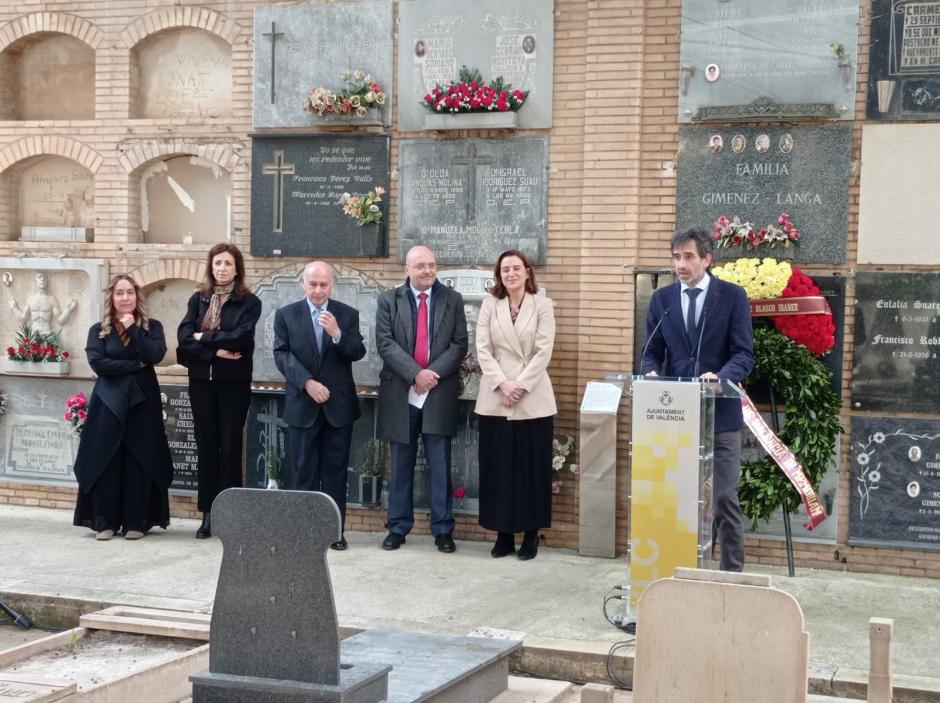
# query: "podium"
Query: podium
{"points": [[671, 447]]}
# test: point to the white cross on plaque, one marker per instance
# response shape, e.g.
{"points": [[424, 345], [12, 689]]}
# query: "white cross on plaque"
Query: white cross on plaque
{"points": [[278, 169]]}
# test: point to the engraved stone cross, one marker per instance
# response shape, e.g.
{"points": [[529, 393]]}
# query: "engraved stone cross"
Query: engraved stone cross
{"points": [[471, 161], [278, 169], [274, 35]]}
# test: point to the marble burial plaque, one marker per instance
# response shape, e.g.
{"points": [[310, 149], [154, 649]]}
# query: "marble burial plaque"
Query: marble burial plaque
{"points": [[464, 466], [895, 482], [350, 287], [296, 184], [895, 366], [758, 173], [734, 53], [181, 435], [303, 46], [509, 38], [904, 60], [471, 199], [267, 437]]}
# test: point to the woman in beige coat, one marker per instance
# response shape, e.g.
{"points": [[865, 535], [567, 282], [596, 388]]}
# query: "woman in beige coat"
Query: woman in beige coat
{"points": [[516, 407]]}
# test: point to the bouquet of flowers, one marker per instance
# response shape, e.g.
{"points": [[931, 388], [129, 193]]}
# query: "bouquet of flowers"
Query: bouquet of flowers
{"points": [[34, 346], [759, 279], [76, 412], [362, 91], [363, 207], [735, 233], [815, 332], [470, 94], [467, 368], [561, 448]]}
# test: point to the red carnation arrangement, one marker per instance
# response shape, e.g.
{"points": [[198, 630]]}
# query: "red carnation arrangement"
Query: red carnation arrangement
{"points": [[815, 332], [470, 94]]}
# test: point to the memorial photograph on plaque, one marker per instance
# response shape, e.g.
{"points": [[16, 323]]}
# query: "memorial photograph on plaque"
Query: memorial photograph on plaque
{"points": [[767, 59], [895, 365], [904, 60], [297, 182], [895, 483]]}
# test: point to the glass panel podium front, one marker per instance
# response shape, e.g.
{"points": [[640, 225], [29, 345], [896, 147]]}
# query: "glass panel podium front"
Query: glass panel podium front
{"points": [[671, 448]]}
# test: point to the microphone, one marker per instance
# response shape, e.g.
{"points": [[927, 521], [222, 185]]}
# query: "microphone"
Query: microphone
{"points": [[653, 334], [698, 347]]}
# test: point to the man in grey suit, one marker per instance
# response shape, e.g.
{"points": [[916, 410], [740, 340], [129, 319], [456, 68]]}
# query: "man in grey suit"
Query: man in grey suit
{"points": [[421, 335]]}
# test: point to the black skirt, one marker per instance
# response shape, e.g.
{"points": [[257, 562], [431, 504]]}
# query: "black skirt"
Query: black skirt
{"points": [[515, 473]]}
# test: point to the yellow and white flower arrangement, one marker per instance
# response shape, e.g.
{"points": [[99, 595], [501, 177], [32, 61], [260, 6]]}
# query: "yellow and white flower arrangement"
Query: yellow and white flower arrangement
{"points": [[760, 279]]}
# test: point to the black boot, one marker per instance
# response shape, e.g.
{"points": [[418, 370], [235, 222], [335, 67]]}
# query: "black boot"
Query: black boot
{"points": [[505, 544], [530, 545], [205, 529]]}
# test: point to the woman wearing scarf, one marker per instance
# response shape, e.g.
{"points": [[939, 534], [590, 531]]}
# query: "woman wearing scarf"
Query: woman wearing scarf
{"points": [[123, 465], [216, 343]]}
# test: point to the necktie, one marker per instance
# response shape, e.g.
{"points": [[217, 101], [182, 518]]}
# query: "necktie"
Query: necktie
{"points": [[690, 317], [421, 334], [318, 328]]}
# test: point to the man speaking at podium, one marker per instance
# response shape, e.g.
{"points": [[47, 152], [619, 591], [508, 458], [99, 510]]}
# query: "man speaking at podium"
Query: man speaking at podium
{"points": [[700, 327]]}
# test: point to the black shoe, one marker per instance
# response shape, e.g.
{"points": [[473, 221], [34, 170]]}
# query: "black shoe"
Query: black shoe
{"points": [[530, 545], [339, 545], [505, 545], [445, 543], [205, 529], [393, 541]]}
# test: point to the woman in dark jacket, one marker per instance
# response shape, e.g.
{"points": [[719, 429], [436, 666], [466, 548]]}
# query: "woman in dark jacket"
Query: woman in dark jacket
{"points": [[123, 465], [216, 343]]}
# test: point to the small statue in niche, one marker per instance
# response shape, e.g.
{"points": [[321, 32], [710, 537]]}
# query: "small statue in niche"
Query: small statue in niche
{"points": [[42, 308]]}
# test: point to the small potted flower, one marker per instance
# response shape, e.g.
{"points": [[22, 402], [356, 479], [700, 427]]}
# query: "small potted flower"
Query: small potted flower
{"points": [[471, 103], [36, 354], [371, 473], [361, 95]]}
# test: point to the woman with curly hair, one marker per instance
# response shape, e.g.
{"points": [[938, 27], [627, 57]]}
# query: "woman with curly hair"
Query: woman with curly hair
{"points": [[123, 465]]}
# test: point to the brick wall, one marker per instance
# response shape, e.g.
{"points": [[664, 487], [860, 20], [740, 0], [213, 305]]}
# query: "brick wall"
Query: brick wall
{"points": [[611, 208]]}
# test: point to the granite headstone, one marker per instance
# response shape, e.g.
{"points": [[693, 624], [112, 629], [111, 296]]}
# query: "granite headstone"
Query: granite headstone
{"points": [[349, 286], [274, 634], [181, 435], [904, 60], [296, 185], [895, 482], [733, 54], [471, 199], [895, 366], [757, 173], [302, 46]]}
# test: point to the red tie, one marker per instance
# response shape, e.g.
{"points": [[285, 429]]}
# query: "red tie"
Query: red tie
{"points": [[421, 334]]}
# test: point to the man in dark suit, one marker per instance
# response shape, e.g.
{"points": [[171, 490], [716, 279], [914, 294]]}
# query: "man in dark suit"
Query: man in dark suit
{"points": [[316, 341], [421, 335], [701, 326]]}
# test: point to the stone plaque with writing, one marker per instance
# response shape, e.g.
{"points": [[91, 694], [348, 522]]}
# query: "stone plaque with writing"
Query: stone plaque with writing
{"points": [[471, 199], [895, 482], [896, 362], [464, 466], [302, 46], [904, 60], [350, 287], [509, 38], [758, 173], [296, 185], [178, 421], [733, 53]]}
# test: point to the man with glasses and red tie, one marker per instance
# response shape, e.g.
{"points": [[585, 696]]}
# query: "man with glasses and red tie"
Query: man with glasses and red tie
{"points": [[421, 335]]}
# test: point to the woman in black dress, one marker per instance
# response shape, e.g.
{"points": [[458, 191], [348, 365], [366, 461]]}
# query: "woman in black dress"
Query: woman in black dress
{"points": [[123, 465], [216, 343]]}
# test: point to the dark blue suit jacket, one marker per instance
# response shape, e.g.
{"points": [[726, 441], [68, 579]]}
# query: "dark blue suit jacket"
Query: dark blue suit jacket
{"points": [[727, 341]]}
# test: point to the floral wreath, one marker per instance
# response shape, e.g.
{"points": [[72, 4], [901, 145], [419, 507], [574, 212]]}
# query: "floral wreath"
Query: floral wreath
{"points": [[787, 357]]}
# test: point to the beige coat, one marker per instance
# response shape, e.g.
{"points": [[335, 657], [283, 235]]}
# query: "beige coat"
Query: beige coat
{"points": [[516, 352]]}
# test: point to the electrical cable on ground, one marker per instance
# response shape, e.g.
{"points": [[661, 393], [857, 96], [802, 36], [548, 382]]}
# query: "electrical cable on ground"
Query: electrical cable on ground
{"points": [[22, 621], [622, 622]]}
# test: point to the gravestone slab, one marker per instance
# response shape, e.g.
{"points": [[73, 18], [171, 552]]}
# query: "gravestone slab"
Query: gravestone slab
{"points": [[299, 47], [895, 365], [35, 443], [509, 38], [893, 189], [464, 466], [895, 482], [180, 434], [904, 60], [296, 184], [735, 53], [758, 173], [274, 600], [471, 199], [350, 287]]}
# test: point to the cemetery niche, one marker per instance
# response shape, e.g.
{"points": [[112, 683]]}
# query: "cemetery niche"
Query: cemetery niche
{"points": [[297, 182], [53, 199], [767, 59], [904, 60]]}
